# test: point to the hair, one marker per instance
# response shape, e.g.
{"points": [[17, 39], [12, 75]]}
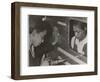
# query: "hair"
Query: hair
{"points": [[41, 26], [80, 25]]}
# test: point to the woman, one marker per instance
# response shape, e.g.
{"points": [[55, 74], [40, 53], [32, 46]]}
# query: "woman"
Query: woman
{"points": [[79, 40]]}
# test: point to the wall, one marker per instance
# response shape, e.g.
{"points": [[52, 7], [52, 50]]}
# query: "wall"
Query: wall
{"points": [[5, 40]]}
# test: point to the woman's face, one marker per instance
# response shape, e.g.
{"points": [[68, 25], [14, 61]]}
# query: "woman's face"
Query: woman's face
{"points": [[37, 38], [78, 32]]}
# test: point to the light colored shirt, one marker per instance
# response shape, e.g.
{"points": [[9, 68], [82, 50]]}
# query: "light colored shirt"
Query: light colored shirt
{"points": [[79, 44]]}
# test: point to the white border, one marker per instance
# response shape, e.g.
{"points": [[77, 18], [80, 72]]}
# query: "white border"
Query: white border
{"points": [[26, 70]]}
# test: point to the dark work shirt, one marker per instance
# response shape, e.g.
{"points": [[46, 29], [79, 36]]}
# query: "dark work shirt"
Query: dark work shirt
{"points": [[40, 50]]}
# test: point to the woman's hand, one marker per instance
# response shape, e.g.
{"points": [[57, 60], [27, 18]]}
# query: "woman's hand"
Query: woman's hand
{"points": [[55, 35], [31, 47], [32, 51]]}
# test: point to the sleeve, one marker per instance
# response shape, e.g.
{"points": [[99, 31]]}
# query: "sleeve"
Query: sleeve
{"points": [[85, 50], [72, 42]]}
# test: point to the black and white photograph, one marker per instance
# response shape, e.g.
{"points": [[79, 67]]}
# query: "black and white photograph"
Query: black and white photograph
{"points": [[50, 40], [57, 40]]}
